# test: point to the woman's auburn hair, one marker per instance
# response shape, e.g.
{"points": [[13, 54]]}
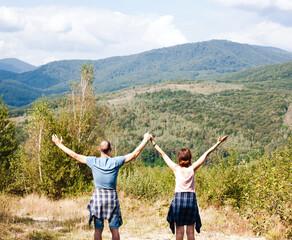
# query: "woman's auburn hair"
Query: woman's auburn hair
{"points": [[184, 157]]}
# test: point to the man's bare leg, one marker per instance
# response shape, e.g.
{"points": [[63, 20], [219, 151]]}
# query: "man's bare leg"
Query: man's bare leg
{"points": [[98, 234], [115, 233]]}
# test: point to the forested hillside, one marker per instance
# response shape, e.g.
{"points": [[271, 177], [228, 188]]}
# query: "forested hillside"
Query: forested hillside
{"points": [[194, 61], [277, 76], [180, 118]]}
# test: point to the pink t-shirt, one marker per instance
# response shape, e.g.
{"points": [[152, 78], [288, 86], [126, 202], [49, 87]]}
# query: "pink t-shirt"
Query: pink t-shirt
{"points": [[184, 184]]}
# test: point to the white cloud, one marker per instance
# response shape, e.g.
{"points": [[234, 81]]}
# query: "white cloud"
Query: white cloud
{"points": [[36, 34], [277, 11], [58, 23], [10, 20], [162, 32], [257, 4], [244, 3], [284, 4], [265, 33], [1, 45]]}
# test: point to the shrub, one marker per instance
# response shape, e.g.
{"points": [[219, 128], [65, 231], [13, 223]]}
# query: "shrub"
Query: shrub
{"points": [[146, 182]]}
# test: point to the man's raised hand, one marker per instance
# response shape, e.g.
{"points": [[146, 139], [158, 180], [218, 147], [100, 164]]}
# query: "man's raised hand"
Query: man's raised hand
{"points": [[147, 136], [56, 140]]}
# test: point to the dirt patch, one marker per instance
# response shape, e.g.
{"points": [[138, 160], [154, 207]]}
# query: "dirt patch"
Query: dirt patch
{"points": [[201, 236], [128, 94], [288, 116], [20, 119]]}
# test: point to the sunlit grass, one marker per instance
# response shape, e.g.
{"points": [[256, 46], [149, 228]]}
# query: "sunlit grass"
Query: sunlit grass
{"points": [[37, 217]]}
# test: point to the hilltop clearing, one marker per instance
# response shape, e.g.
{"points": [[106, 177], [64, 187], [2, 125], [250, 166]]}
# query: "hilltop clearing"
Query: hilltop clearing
{"points": [[288, 117], [201, 87]]}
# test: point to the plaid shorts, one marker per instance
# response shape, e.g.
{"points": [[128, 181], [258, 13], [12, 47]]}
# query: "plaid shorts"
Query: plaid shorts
{"points": [[184, 210], [104, 204]]}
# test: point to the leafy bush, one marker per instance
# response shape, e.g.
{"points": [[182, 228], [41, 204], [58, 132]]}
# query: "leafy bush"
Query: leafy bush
{"points": [[146, 182], [259, 189]]}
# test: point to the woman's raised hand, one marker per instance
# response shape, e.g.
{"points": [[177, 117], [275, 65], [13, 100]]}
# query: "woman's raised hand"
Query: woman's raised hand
{"points": [[151, 138], [220, 140], [56, 140]]}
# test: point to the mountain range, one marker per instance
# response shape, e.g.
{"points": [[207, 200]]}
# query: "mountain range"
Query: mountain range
{"points": [[15, 65], [193, 61]]}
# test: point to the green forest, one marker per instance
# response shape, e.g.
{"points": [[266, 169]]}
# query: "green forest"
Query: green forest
{"points": [[251, 172]]}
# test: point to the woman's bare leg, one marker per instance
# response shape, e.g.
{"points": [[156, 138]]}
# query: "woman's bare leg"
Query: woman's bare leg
{"points": [[179, 232], [191, 232]]}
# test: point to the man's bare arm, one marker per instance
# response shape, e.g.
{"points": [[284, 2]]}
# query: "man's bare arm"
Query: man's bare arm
{"points": [[78, 157], [137, 151]]}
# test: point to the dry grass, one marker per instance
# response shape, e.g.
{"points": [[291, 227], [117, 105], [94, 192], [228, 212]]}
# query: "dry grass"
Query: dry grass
{"points": [[19, 120], [26, 218], [126, 95], [226, 221], [41, 208], [34, 217]]}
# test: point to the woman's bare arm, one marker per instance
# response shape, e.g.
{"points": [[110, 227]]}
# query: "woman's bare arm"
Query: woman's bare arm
{"points": [[202, 159], [166, 159]]}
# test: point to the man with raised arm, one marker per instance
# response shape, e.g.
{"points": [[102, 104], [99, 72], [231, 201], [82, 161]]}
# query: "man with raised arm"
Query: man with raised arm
{"points": [[104, 203]]}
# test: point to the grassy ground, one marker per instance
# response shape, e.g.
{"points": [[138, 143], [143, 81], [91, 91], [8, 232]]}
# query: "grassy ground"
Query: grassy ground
{"points": [[35, 217]]}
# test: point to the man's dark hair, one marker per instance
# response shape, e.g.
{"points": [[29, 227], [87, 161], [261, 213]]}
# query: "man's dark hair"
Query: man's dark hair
{"points": [[105, 146]]}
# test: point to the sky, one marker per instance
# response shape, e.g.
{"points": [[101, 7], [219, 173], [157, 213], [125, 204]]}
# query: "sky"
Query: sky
{"points": [[41, 31]]}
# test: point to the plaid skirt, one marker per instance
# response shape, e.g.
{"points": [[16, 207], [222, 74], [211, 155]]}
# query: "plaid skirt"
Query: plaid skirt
{"points": [[184, 210], [104, 204]]}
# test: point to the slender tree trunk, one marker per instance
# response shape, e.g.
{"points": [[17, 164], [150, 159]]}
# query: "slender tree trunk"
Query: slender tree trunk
{"points": [[90, 134], [23, 177], [83, 107], [39, 153], [74, 109], [116, 150]]}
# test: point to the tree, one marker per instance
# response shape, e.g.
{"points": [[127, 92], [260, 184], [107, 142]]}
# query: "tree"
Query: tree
{"points": [[82, 101], [81, 123], [41, 117], [8, 144]]}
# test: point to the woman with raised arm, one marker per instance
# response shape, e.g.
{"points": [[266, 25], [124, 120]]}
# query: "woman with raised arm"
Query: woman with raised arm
{"points": [[184, 210]]}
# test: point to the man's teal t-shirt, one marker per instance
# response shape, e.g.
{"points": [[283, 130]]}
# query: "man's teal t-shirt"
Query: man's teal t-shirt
{"points": [[105, 170]]}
